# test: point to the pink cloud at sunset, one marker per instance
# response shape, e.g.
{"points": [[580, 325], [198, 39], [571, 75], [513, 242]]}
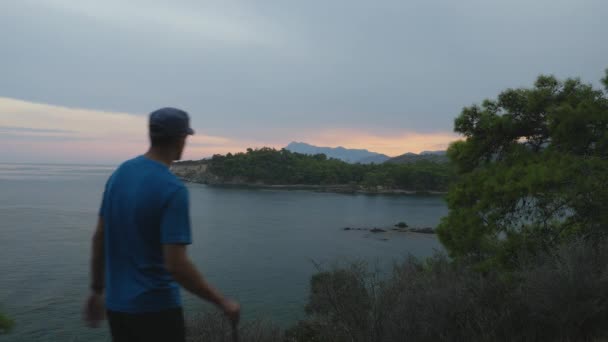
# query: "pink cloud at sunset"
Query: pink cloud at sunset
{"points": [[34, 132], [39, 132], [389, 144]]}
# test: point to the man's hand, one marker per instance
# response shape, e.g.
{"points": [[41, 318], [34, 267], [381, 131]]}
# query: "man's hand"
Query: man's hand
{"points": [[186, 274], [232, 309], [94, 310]]}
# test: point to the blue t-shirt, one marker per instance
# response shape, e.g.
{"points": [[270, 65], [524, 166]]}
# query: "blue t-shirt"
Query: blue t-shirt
{"points": [[144, 206]]}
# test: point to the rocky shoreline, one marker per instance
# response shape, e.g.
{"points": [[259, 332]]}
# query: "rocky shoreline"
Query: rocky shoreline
{"points": [[342, 189], [419, 230], [197, 173]]}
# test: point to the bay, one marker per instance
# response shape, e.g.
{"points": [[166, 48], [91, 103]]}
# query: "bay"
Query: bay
{"points": [[259, 246]]}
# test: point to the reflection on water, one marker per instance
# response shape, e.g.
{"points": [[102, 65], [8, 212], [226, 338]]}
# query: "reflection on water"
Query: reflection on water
{"points": [[49, 171]]}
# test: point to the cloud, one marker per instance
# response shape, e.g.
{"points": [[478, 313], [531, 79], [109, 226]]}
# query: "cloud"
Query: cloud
{"points": [[392, 144], [215, 23], [37, 132], [9, 129], [76, 134], [243, 66], [92, 123]]}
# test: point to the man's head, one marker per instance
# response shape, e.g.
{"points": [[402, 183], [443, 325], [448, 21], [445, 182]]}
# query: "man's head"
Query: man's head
{"points": [[168, 128]]}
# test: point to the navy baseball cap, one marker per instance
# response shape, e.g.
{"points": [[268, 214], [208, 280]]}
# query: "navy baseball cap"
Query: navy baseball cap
{"points": [[169, 122]]}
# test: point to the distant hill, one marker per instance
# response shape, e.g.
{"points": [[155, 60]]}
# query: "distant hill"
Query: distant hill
{"points": [[345, 154], [436, 153], [379, 159], [432, 156]]}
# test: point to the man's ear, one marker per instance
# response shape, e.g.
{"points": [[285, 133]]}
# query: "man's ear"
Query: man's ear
{"points": [[181, 146]]}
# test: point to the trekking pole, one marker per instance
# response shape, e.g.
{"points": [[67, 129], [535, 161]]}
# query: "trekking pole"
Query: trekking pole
{"points": [[235, 332]]}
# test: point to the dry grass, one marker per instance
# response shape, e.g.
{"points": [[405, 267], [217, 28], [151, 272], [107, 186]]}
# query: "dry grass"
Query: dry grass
{"points": [[214, 327]]}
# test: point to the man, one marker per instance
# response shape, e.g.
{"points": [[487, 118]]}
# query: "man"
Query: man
{"points": [[141, 238]]}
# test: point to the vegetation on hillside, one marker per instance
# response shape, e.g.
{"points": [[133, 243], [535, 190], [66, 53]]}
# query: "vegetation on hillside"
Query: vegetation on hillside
{"points": [[533, 172], [435, 157], [270, 166], [557, 295]]}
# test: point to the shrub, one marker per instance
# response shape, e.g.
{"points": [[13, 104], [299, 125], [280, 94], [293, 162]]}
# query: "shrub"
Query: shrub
{"points": [[559, 295], [556, 296]]}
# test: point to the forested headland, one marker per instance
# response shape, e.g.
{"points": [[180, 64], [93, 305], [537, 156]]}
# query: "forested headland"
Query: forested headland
{"points": [[271, 167]]}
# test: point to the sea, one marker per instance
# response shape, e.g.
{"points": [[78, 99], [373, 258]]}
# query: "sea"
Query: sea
{"points": [[260, 247]]}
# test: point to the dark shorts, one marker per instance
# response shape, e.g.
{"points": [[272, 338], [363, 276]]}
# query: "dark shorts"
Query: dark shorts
{"points": [[163, 326]]}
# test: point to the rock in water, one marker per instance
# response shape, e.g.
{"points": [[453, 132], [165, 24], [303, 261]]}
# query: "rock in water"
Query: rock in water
{"points": [[426, 230]]}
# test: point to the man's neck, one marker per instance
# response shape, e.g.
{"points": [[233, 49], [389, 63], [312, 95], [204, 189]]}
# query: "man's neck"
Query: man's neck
{"points": [[159, 156]]}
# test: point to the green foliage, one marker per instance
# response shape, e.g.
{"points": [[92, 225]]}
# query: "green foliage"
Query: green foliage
{"points": [[6, 324], [269, 166], [401, 225], [345, 303], [533, 171], [305, 330], [557, 295]]}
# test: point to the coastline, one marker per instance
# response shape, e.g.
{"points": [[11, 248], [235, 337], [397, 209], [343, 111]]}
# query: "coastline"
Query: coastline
{"points": [[341, 189]]}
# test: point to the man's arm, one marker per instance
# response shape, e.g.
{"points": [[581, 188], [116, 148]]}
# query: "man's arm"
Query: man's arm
{"points": [[185, 273], [94, 311], [97, 258]]}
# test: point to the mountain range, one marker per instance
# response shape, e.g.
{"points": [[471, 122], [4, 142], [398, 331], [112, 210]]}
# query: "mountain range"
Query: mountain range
{"points": [[432, 156], [345, 154], [364, 156]]}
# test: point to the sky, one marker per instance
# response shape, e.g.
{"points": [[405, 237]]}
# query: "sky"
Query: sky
{"points": [[78, 77]]}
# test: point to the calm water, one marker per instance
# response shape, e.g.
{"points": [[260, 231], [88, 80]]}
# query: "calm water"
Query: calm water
{"points": [[255, 245]]}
